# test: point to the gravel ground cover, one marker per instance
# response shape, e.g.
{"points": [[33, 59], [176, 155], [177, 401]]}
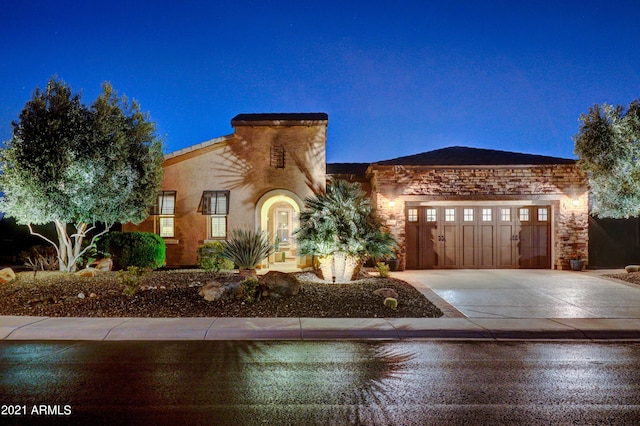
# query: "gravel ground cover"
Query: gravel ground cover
{"points": [[175, 294], [633, 278]]}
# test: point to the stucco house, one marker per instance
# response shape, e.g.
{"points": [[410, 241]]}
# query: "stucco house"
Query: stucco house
{"points": [[449, 208]]}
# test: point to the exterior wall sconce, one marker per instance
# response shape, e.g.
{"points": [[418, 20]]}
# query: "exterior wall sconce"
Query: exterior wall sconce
{"points": [[392, 203], [575, 202]]}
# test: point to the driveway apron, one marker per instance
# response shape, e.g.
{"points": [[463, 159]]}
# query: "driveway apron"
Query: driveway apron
{"points": [[527, 293]]}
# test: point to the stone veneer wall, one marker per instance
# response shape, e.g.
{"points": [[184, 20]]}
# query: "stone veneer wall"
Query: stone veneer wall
{"points": [[562, 186]]}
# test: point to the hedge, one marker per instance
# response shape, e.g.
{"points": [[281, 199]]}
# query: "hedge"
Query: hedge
{"points": [[141, 249]]}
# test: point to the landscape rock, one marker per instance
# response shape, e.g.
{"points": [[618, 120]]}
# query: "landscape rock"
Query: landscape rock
{"points": [[87, 272], [632, 268], [386, 292], [103, 265], [278, 284], [7, 275], [215, 290]]}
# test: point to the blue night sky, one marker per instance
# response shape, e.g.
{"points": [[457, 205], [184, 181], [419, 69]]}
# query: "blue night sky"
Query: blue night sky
{"points": [[396, 77]]}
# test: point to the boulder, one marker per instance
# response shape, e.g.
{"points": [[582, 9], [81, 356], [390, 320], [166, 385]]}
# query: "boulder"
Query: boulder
{"points": [[278, 284], [7, 275], [632, 268], [103, 265], [386, 292], [87, 272], [214, 290]]}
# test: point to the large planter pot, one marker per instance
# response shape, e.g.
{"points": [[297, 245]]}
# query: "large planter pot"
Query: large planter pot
{"points": [[394, 264], [244, 273], [576, 265], [338, 267]]}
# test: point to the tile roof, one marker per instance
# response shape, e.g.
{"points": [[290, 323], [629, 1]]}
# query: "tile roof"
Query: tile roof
{"points": [[280, 117], [196, 147], [347, 168], [465, 156]]}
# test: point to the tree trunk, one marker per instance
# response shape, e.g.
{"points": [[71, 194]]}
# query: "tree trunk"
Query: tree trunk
{"points": [[69, 249]]}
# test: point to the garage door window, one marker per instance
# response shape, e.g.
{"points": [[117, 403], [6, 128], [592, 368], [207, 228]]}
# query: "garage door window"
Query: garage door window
{"points": [[449, 215], [467, 215], [412, 215], [543, 214], [431, 215], [524, 215], [486, 215], [505, 215]]}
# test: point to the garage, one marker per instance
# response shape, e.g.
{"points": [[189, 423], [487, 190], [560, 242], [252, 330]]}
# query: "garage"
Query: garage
{"points": [[478, 236]]}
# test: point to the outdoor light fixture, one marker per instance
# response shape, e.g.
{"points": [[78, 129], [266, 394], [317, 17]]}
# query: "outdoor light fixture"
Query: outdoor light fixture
{"points": [[575, 202], [392, 203]]}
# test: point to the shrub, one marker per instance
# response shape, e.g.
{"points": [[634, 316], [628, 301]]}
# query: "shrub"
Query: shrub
{"points": [[131, 279], [247, 248], [210, 257], [341, 229], [383, 269], [248, 289], [40, 258], [141, 249], [390, 302]]}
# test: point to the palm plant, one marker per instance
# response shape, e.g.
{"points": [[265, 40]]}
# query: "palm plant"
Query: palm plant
{"points": [[247, 248], [339, 228]]}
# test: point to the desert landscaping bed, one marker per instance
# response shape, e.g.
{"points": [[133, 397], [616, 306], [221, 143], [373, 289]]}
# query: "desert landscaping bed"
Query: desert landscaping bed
{"points": [[176, 294], [633, 277]]}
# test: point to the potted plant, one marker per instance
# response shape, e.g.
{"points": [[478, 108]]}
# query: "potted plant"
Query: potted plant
{"points": [[576, 263]]}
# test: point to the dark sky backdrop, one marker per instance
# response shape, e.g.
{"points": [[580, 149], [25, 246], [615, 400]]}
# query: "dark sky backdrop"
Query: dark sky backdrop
{"points": [[395, 77]]}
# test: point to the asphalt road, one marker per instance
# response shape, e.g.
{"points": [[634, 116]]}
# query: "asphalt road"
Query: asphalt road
{"points": [[335, 383]]}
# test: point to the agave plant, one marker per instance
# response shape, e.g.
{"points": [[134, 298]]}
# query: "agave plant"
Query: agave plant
{"points": [[247, 248], [341, 230]]}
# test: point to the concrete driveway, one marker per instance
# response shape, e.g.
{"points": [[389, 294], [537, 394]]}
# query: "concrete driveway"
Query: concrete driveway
{"points": [[525, 293]]}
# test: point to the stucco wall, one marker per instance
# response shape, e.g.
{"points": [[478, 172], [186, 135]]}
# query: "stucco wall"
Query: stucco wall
{"points": [[241, 164], [561, 186]]}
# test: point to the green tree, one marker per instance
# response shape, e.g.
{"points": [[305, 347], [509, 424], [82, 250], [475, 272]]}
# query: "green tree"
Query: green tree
{"points": [[339, 228], [77, 166], [608, 148]]}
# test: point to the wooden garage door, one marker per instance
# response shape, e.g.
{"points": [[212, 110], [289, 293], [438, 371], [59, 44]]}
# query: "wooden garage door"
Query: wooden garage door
{"points": [[478, 237]]}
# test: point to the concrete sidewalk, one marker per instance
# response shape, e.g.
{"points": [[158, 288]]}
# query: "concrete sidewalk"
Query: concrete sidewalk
{"points": [[478, 304], [164, 329]]}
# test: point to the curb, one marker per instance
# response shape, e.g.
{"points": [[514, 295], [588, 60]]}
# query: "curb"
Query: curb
{"points": [[15, 328]]}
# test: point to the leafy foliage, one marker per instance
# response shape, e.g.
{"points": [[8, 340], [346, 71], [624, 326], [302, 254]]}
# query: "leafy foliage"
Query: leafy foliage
{"points": [[247, 248], [67, 163], [140, 249], [210, 257], [131, 279], [608, 147], [383, 269], [248, 289], [342, 220]]}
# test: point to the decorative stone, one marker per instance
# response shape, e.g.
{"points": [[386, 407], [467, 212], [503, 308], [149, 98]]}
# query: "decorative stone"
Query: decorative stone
{"points": [[632, 268], [92, 295], [87, 272], [104, 265], [7, 275], [386, 292], [215, 290], [278, 284], [81, 296]]}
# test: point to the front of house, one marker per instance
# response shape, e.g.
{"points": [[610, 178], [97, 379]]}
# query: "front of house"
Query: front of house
{"points": [[450, 208]]}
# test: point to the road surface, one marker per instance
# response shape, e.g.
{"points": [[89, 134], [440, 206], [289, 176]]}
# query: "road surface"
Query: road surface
{"points": [[334, 383]]}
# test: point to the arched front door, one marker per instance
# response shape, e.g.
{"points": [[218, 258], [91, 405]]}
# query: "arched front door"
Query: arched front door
{"points": [[278, 212]]}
